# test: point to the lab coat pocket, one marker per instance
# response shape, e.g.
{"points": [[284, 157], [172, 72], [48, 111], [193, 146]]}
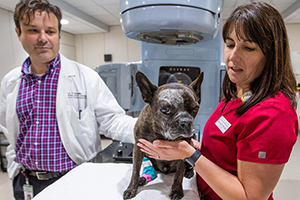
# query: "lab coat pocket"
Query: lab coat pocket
{"points": [[83, 120], [85, 130]]}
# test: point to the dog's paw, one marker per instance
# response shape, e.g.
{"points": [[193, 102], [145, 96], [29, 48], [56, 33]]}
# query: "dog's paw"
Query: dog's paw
{"points": [[176, 195], [142, 181], [129, 193], [189, 173]]}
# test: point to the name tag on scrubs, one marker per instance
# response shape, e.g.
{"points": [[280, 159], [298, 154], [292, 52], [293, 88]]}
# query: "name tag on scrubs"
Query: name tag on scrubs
{"points": [[223, 124]]}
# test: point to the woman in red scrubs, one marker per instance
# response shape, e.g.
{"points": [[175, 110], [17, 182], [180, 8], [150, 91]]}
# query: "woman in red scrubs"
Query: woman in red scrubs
{"points": [[250, 136]]}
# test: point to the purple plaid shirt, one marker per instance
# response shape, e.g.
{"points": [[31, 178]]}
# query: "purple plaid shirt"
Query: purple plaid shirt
{"points": [[39, 146]]}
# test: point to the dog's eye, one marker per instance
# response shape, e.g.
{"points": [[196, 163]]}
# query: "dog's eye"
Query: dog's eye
{"points": [[166, 111]]}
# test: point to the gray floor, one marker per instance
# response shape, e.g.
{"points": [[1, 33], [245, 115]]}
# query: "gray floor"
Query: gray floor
{"points": [[287, 188]]}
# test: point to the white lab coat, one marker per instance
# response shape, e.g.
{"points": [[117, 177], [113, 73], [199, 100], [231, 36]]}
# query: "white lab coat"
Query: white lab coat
{"points": [[80, 137]]}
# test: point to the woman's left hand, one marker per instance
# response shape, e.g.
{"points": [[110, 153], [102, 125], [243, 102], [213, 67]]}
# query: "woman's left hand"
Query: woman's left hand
{"points": [[166, 150]]}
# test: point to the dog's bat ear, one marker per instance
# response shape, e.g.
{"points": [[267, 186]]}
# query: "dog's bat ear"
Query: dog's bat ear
{"points": [[146, 87], [196, 84]]}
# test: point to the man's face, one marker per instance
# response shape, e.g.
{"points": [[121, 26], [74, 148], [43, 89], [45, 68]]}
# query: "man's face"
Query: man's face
{"points": [[40, 38]]}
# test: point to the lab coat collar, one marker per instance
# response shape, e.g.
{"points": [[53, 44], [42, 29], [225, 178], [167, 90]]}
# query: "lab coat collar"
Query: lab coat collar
{"points": [[67, 71]]}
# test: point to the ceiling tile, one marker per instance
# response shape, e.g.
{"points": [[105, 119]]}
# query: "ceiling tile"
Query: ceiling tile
{"points": [[94, 10], [293, 18], [112, 8], [81, 29], [8, 5], [103, 2], [80, 3], [276, 2], [110, 20], [107, 11]]}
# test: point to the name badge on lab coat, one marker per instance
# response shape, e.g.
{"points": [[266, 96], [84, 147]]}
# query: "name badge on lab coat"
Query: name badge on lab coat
{"points": [[223, 124]]}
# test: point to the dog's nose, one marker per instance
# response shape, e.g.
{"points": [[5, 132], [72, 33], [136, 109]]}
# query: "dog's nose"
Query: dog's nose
{"points": [[185, 124]]}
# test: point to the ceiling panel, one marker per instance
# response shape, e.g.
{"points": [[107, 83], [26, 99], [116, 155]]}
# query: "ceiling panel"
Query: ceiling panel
{"points": [[110, 20], [106, 12], [94, 10], [80, 3], [104, 2], [8, 5], [112, 8]]}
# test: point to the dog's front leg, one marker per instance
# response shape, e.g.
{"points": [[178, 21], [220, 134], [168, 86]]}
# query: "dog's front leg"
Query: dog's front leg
{"points": [[131, 190], [177, 191]]}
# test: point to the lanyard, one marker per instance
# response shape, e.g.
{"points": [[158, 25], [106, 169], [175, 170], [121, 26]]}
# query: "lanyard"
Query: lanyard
{"points": [[27, 188]]}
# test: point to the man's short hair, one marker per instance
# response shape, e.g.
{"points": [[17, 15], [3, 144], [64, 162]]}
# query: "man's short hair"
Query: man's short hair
{"points": [[27, 8]]}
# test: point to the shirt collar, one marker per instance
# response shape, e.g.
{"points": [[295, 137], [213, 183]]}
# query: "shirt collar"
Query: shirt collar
{"points": [[246, 96], [55, 63]]}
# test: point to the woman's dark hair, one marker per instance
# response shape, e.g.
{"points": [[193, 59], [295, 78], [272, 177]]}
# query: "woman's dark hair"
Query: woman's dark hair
{"points": [[261, 23], [27, 8]]}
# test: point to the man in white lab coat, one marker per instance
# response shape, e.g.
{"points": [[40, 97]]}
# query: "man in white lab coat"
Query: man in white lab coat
{"points": [[52, 108]]}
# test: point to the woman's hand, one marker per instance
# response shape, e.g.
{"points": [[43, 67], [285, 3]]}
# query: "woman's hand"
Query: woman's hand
{"points": [[168, 150]]}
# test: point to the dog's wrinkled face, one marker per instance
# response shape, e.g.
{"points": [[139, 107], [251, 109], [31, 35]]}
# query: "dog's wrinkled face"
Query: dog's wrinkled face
{"points": [[174, 107]]}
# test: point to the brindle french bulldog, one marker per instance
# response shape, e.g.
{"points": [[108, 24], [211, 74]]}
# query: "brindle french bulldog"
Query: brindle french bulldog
{"points": [[168, 115]]}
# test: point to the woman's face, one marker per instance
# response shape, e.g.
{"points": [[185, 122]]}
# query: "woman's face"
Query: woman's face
{"points": [[244, 61]]}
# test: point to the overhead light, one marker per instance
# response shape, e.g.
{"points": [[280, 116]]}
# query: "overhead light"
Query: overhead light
{"points": [[64, 21]]}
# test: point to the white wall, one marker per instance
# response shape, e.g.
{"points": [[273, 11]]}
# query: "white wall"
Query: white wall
{"points": [[90, 48], [11, 52], [68, 45], [293, 34]]}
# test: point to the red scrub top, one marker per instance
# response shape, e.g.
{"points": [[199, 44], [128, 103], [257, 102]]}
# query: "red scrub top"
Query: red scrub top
{"points": [[266, 133]]}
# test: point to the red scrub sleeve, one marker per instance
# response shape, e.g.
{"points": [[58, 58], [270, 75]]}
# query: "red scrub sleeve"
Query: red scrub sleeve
{"points": [[267, 133]]}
